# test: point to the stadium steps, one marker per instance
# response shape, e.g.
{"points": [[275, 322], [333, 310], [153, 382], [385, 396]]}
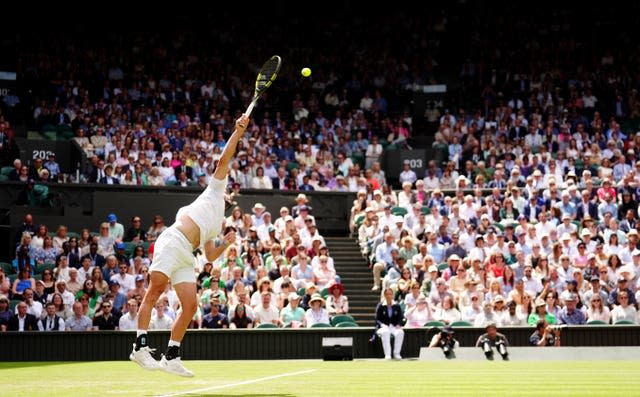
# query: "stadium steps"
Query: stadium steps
{"points": [[356, 277]]}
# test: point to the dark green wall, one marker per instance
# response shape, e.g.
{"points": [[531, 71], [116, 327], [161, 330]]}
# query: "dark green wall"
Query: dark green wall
{"points": [[80, 206], [262, 344]]}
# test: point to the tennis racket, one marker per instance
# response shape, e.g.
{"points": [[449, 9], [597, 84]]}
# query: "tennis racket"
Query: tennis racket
{"points": [[267, 74]]}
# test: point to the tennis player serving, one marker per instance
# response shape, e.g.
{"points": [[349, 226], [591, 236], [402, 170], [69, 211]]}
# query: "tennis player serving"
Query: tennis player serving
{"points": [[197, 226]]}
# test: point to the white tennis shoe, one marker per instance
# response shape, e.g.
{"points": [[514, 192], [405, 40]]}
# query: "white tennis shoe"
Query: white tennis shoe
{"points": [[144, 358], [174, 367]]}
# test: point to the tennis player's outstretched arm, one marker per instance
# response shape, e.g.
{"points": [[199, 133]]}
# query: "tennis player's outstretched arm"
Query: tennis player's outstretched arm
{"points": [[230, 148]]}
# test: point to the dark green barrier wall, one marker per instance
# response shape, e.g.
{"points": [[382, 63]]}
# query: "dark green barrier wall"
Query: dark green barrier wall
{"points": [[82, 206], [262, 344]]}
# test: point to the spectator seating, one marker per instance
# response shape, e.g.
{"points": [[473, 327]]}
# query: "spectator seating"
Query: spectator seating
{"points": [[346, 324], [401, 211], [461, 324], [341, 318], [7, 267], [42, 267], [267, 325]]}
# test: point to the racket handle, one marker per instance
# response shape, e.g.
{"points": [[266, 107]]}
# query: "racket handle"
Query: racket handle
{"points": [[250, 108]]}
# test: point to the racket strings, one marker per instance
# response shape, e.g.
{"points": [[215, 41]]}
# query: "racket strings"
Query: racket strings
{"points": [[268, 73]]}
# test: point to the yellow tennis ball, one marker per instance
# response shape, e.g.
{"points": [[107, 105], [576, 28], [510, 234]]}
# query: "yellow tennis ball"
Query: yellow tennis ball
{"points": [[306, 72]]}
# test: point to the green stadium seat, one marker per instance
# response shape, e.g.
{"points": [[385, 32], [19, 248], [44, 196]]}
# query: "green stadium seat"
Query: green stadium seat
{"points": [[41, 268], [442, 266], [73, 234], [12, 278], [6, 170], [13, 303], [321, 325], [596, 322], [128, 248], [49, 128], [302, 291], [50, 135], [358, 158], [359, 220], [7, 267], [341, 318], [324, 293], [399, 211], [434, 324], [425, 210], [625, 322], [267, 325], [292, 165], [346, 324], [461, 324], [4, 178]]}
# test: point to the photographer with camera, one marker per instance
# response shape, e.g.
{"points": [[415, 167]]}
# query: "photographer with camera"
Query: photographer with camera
{"points": [[445, 340], [545, 335], [493, 339]]}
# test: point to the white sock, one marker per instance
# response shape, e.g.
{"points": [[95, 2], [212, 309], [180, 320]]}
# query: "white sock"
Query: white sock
{"points": [[141, 332], [173, 343]]}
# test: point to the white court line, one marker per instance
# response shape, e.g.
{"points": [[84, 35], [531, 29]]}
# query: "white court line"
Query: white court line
{"points": [[244, 382]]}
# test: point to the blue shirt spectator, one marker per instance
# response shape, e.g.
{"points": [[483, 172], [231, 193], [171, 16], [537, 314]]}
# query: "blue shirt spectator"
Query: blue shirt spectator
{"points": [[569, 314]]}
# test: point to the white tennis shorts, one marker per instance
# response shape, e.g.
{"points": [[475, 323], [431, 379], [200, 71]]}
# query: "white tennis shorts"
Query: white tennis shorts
{"points": [[173, 256]]}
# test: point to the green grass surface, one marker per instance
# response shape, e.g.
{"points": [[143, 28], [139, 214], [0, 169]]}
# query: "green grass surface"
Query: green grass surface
{"points": [[356, 378]]}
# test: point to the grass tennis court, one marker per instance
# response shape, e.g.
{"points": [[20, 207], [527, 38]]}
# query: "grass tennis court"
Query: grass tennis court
{"points": [[316, 378]]}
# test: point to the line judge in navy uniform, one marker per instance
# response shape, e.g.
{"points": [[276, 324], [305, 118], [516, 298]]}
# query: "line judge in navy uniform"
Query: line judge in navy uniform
{"points": [[389, 319]]}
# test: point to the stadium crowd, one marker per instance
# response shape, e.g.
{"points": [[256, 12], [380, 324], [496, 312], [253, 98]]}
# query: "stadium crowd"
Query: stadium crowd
{"points": [[531, 216], [279, 273]]}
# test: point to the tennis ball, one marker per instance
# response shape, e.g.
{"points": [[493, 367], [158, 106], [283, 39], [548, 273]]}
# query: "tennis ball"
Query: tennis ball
{"points": [[306, 72]]}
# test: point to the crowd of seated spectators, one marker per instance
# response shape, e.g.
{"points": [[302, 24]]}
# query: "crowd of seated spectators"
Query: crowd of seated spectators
{"points": [[547, 243], [536, 201], [279, 272], [533, 214]]}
